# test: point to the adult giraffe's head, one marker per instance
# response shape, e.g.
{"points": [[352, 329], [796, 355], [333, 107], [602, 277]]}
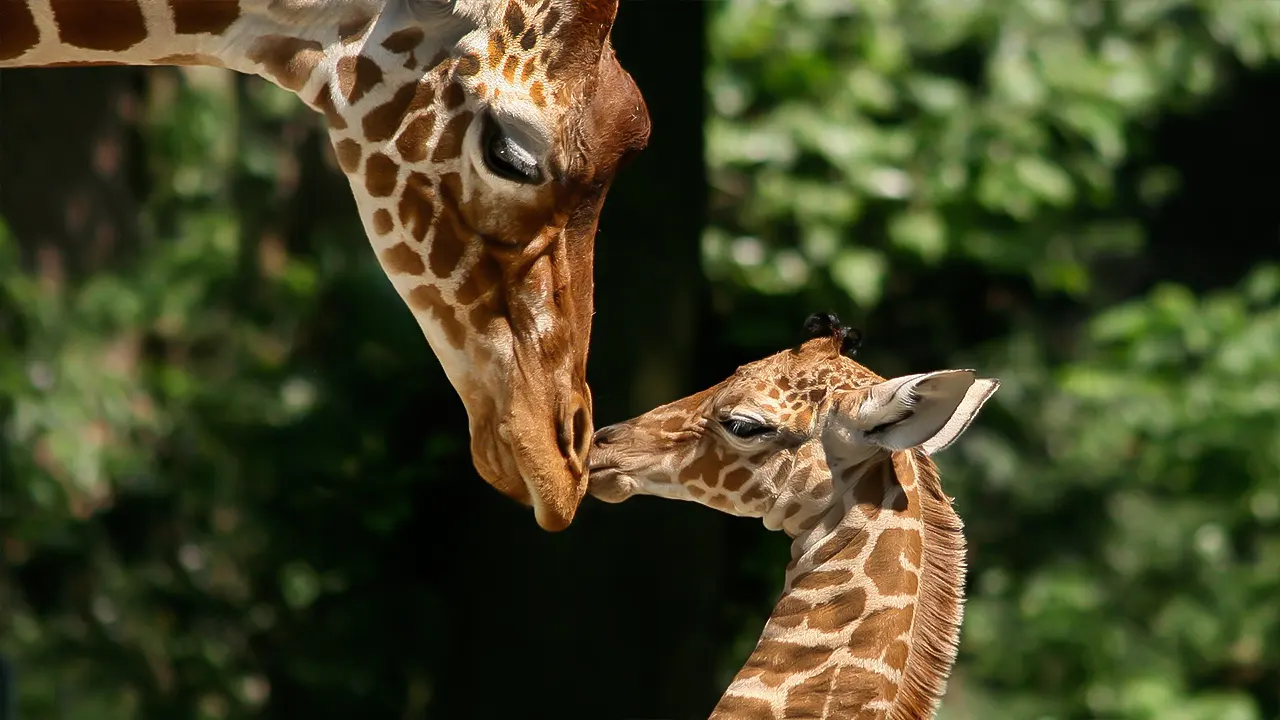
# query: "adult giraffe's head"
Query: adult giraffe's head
{"points": [[479, 137], [483, 182]]}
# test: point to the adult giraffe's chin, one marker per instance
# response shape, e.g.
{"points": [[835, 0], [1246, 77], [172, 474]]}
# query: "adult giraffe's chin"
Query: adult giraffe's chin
{"points": [[480, 138]]}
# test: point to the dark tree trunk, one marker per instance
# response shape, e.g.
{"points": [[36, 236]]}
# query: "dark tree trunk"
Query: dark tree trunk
{"points": [[615, 618]]}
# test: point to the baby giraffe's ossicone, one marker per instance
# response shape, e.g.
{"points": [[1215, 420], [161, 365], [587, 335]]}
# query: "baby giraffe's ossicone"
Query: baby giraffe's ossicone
{"points": [[819, 446]]}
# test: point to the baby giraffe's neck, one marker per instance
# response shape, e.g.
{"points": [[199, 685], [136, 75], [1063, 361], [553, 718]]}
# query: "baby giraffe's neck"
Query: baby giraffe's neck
{"points": [[869, 618]]}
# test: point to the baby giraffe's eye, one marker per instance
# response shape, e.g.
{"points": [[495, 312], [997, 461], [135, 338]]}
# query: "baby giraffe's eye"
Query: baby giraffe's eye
{"points": [[745, 428]]}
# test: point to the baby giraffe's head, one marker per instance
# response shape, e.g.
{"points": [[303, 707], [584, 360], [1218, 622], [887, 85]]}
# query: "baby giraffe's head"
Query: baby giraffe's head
{"points": [[781, 428]]}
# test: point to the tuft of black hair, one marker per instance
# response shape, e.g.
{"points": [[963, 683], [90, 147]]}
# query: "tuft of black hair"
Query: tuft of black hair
{"points": [[848, 339]]}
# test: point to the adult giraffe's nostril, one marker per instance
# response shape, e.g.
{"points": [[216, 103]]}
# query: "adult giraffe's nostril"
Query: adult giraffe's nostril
{"points": [[575, 435]]}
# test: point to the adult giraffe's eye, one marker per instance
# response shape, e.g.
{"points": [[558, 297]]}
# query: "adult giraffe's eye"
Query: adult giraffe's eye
{"points": [[506, 158], [744, 428]]}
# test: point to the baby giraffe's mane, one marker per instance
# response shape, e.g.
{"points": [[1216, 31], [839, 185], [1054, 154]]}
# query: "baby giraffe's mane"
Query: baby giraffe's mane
{"points": [[935, 635]]}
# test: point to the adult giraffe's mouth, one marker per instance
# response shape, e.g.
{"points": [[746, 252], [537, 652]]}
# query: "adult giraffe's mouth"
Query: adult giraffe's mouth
{"points": [[535, 457]]}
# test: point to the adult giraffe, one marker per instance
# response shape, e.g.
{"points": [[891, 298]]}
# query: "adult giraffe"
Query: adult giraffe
{"points": [[479, 138], [837, 457]]}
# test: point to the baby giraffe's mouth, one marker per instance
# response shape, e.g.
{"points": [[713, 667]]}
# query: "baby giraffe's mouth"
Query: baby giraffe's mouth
{"points": [[607, 481]]}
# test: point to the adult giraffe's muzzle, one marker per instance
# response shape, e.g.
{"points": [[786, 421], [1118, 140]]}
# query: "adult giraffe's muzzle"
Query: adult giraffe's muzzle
{"points": [[532, 426]]}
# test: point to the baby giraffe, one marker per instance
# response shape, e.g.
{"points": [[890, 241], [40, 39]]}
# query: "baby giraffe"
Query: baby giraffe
{"points": [[838, 457]]}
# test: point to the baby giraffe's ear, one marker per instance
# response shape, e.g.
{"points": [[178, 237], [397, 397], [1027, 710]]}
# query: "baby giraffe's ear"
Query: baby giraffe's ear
{"points": [[929, 410]]}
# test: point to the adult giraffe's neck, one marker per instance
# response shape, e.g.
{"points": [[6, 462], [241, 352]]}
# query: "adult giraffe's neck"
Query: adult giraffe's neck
{"points": [[264, 37], [869, 618]]}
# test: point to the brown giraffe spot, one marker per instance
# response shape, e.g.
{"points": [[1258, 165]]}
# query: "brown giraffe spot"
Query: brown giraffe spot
{"points": [[403, 260], [112, 26], [448, 245], [413, 140], [352, 30], [784, 384], [810, 522], [705, 469], [753, 493], [792, 511], [789, 612], [735, 479], [357, 76], [549, 22], [673, 424], [514, 19], [20, 31], [84, 63], [348, 152], [428, 297], [381, 175], [484, 276], [696, 491], [903, 472], [510, 67], [800, 476], [775, 660], [896, 656], [720, 502], [324, 103], [809, 699], [288, 60], [878, 629], [529, 66], [192, 17], [455, 131], [837, 692], [840, 612], [869, 492], [467, 66], [382, 222], [417, 205], [822, 490], [403, 41], [529, 39], [536, 93], [187, 59], [743, 708], [854, 688], [845, 543], [884, 567], [497, 49], [454, 95], [383, 121], [823, 579]]}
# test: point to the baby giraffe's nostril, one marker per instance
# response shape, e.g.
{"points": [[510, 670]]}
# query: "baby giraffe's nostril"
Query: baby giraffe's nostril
{"points": [[607, 434]]}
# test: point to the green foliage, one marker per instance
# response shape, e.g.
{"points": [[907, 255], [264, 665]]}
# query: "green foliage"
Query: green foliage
{"points": [[1122, 494], [165, 421], [217, 462], [921, 129]]}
